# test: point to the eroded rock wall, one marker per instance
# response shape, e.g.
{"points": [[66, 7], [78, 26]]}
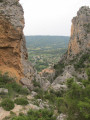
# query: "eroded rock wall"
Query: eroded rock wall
{"points": [[79, 46], [80, 32], [13, 52]]}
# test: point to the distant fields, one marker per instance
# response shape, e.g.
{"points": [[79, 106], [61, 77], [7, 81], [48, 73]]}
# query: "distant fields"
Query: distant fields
{"points": [[45, 51]]}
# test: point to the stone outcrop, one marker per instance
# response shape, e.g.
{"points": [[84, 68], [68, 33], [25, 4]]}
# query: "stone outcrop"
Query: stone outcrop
{"points": [[62, 117], [79, 45], [3, 91], [80, 32], [48, 73], [13, 52]]}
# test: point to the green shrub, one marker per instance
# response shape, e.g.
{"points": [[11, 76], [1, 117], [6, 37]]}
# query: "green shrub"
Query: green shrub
{"points": [[59, 69], [51, 96], [43, 114], [76, 100], [69, 82], [4, 79], [1, 0], [36, 84], [19, 89], [21, 101], [7, 104], [23, 117], [13, 88], [88, 73], [40, 94], [80, 63]]}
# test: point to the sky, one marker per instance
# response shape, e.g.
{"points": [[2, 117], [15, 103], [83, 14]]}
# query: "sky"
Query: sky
{"points": [[50, 17]]}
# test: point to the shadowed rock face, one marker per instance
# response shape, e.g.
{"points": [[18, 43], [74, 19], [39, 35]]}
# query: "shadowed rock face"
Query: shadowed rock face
{"points": [[80, 32], [13, 52]]}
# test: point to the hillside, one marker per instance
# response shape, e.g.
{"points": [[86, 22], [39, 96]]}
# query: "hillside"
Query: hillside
{"points": [[44, 51]]}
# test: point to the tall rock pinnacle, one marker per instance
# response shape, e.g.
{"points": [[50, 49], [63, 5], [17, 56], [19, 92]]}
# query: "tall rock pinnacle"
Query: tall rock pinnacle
{"points": [[13, 52], [80, 32]]}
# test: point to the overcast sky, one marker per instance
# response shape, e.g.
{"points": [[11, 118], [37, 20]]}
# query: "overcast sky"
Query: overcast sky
{"points": [[50, 17]]}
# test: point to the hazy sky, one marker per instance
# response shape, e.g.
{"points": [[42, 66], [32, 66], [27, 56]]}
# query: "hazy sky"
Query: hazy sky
{"points": [[50, 17]]}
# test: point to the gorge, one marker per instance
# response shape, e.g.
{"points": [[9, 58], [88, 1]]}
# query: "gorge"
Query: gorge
{"points": [[59, 93]]}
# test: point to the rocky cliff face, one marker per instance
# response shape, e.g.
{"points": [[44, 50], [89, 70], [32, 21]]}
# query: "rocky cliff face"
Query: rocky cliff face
{"points": [[76, 60], [13, 52], [80, 32]]}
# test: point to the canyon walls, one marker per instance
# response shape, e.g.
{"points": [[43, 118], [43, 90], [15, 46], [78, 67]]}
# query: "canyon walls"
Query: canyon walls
{"points": [[13, 52], [80, 32]]}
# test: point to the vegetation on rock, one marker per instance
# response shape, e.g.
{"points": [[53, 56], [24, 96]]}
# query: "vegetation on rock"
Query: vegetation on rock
{"points": [[43, 114], [81, 62], [14, 90], [59, 68], [1, 0], [7, 104], [21, 101], [76, 101]]}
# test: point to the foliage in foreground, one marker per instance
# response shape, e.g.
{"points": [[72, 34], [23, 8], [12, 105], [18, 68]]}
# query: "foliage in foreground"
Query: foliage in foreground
{"points": [[14, 90], [1, 0], [7, 104], [10, 84], [76, 101], [43, 114], [21, 101]]}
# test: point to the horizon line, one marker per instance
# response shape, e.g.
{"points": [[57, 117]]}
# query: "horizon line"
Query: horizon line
{"points": [[49, 35]]}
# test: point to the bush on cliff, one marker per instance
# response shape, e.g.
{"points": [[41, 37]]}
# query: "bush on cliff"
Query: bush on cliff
{"points": [[80, 64], [21, 101], [1, 0], [36, 84], [14, 89], [19, 89], [23, 117], [76, 100], [5, 78], [59, 69], [43, 114], [7, 104], [88, 73]]}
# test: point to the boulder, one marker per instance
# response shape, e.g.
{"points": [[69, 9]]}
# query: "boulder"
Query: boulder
{"points": [[61, 117], [3, 91]]}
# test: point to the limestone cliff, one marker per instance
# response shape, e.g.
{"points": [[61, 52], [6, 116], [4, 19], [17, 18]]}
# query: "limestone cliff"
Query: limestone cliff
{"points": [[76, 60], [13, 52], [80, 32]]}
